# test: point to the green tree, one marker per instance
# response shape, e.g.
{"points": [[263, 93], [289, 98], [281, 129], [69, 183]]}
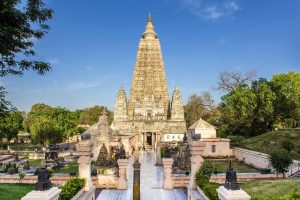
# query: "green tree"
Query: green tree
{"points": [[201, 106], [287, 91], [64, 120], [20, 26], [263, 118], [280, 162], [10, 124], [90, 115], [5, 105], [43, 131], [237, 111], [194, 109], [287, 145]]}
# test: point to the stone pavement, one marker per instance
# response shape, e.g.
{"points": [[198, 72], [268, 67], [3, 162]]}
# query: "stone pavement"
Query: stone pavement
{"points": [[151, 183]]}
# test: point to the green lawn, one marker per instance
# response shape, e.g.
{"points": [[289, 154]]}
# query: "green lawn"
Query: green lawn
{"points": [[14, 191], [267, 142], [261, 190], [35, 163], [72, 167], [221, 166]]}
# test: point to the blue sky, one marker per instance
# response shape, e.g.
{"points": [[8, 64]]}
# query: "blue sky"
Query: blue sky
{"points": [[92, 47]]}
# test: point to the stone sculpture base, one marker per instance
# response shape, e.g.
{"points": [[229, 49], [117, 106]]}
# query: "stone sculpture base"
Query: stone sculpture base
{"points": [[225, 194], [51, 194]]}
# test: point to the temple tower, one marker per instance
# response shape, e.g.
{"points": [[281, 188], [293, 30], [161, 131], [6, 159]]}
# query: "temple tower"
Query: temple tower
{"points": [[120, 111], [149, 92], [148, 117], [177, 112]]}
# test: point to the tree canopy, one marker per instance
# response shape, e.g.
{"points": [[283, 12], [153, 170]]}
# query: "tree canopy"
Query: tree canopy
{"points": [[10, 125], [257, 108], [20, 26]]}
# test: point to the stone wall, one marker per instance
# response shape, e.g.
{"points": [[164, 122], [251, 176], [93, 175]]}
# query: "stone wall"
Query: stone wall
{"points": [[242, 177], [180, 180], [260, 160], [222, 147], [256, 159], [58, 180]]}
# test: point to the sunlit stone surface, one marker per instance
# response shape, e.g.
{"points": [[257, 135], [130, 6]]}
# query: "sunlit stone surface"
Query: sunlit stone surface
{"points": [[151, 183]]}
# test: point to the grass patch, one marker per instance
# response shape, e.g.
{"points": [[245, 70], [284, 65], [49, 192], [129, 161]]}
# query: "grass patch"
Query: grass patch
{"points": [[70, 168], [222, 165], [35, 163], [14, 191], [267, 142], [270, 188]]}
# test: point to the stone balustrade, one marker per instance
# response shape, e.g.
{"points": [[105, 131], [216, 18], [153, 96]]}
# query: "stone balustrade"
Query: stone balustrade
{"points": [[122, 182], [167, 181]]}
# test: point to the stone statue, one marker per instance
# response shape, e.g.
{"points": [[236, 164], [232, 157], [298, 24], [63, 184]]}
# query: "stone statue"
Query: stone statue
{"points": [[231, 179], [122, 154], [168, 152], [185, 159], [44, 182]]}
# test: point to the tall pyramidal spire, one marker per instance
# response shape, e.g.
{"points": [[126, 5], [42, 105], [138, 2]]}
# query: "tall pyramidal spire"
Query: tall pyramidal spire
{"points": [[149, 92]]}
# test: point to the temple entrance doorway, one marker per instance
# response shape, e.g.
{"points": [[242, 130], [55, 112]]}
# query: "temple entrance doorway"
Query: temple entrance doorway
{"points": [[149, 139]]}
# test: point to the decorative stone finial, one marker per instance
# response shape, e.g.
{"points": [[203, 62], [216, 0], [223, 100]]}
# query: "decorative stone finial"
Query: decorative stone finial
{"points": [[231, 179], [149, 17], [149, 32]]}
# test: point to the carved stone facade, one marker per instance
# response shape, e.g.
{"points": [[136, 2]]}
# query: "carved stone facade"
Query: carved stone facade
{"points": [[148, 114]]}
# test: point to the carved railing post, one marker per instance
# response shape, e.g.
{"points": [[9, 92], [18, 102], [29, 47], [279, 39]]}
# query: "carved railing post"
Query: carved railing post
{"points": [[84, 149], [167, 163], [122, 183], [136, 180], [196, 149]]}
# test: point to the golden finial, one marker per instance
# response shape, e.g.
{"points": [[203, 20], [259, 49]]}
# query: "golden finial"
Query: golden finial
{"points": [[149, 17]]}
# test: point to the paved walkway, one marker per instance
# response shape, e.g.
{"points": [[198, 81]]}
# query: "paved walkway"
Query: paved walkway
{"points": [[151, 183]]}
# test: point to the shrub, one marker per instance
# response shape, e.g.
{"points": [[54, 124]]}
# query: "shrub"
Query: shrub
{"points": [[71, 187], [236, 140], [210, 190], [287, 145], [204, 173], [21, 176]]}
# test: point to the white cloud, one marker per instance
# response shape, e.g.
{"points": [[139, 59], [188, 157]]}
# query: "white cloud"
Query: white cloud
{"points": [[211, 9], [77, 85]]}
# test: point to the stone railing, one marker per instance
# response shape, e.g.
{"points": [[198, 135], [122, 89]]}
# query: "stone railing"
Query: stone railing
{"points": [[180, 180], [107, 181]]}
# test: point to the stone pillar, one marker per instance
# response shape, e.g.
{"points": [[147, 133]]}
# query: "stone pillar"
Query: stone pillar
{"points": [[158, 156], [84, 149], [153, 140], [145, 139], [136, 180], [196, 149], [225, 194], [51, 194], [167, 163], [122, 183]]}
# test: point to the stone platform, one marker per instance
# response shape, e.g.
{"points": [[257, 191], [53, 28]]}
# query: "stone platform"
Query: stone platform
{"points": [[151, 183]]}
